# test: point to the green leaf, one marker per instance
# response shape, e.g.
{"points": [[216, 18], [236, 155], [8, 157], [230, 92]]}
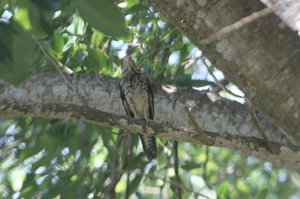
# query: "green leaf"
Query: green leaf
{"points": [[108, 142], [131, 3], [22, 16], [134, 184], [57, 42], [188, 165], [35, 16], [46, 183], [95, 59], [242, 186], [185, 80], [49, 5], [223, 189], [96, 37], [28, 192], [103, 15], [16, 50], [44, 161], [200, 83], [29, 152], [175, 46], [262, 194], [135, 8], [77, 26], [2, 4]]}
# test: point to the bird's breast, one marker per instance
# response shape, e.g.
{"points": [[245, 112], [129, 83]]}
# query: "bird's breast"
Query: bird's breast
{"points": [[140, 101], [136, 93]]}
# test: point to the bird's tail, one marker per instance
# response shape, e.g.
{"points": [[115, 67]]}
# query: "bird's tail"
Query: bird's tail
{"points": [[149, 146]]}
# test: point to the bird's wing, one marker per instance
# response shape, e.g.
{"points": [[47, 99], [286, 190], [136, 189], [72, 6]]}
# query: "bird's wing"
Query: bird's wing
{"points": [[129, 112], [151, 99], [148, 142]]}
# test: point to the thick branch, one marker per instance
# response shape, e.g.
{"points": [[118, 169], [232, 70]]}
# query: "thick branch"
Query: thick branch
{"points": [[261, 57], [288, 11], [96, 99]]}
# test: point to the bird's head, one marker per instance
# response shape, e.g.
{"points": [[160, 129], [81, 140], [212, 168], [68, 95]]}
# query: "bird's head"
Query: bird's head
{"points": [[127, 63]]}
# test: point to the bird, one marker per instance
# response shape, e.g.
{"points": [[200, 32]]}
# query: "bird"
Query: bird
{"points": [[137, 99]]}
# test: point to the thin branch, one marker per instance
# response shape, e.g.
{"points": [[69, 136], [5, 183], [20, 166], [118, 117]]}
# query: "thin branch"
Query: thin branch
{"points": [[239, 24], [10, 145], [140, 44], [219, 82], [193, 59], [58, 65]]}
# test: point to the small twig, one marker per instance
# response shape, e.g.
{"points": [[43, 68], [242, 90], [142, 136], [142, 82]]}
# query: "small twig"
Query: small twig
{"points": [[176, 168], [239, 24], [58, 65], [190, 61], [201, 134], [52, 59], [55, 62], [219, 82], [8, 146], [269, 146], [224, 82], [140, 44]]}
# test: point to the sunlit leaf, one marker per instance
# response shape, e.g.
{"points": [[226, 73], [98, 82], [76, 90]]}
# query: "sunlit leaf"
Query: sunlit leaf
{"points": [[57, 42], [131, 3], [241, 185], [22, 17], [96, 37]]}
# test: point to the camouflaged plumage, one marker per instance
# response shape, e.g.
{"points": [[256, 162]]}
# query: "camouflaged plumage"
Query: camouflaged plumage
{"points": [[137, 99]]}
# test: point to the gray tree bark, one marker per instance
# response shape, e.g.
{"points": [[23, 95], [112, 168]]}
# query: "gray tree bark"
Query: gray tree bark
{"points": [[261, 57], [288, 11], [185, 115]]}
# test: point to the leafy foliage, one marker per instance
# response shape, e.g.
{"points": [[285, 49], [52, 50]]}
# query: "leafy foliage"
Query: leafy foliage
{"points": [[72, 159]]}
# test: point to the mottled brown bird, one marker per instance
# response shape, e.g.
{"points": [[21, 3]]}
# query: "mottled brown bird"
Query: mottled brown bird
{"points": [[137, 99]]}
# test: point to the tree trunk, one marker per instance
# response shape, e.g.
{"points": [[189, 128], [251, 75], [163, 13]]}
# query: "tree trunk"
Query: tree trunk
{"points": [[261, 57]]}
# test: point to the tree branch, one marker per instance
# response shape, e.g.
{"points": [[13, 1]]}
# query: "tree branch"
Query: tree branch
{"points": [[227, 123]]}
